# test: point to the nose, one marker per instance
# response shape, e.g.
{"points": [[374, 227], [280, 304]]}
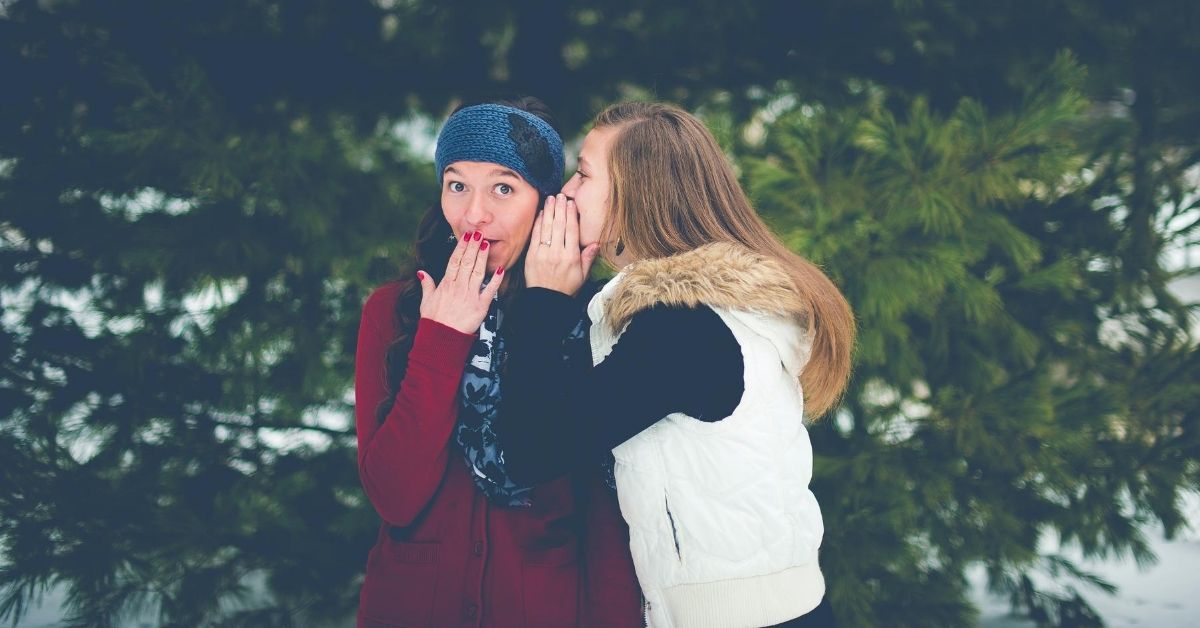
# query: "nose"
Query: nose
{"points": [[478, 212], [570, 187]]}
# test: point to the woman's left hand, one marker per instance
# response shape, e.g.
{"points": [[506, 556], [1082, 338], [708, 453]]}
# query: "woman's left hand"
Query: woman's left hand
{"points": [[554, 259]]}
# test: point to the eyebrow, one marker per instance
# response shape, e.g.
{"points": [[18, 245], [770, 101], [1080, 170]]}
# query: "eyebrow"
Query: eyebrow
{"points": [[583, 161], [498, 172], [504, 172]]}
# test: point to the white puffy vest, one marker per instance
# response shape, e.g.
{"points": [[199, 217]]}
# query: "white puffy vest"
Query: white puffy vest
{"points": [[723, 528]]}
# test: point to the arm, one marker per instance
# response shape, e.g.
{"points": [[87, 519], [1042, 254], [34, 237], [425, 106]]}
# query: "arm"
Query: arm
{"points": [[556, 419], [401, 460]]}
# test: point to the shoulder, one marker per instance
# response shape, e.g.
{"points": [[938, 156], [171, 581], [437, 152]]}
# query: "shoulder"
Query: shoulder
{"points": [[380, 306], [679, 329], [384, 297], [690, 355], [676, 318], [720, 274]]}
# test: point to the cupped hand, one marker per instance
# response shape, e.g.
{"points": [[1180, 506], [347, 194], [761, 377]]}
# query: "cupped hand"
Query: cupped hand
{"points": [[457, 301], [554, 259]]}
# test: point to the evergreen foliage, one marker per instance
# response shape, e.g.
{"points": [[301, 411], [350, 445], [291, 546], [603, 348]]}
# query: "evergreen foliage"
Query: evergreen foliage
{"points": [[989, 409]]}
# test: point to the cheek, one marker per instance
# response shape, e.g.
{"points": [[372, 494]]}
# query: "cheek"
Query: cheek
{"points": [[596, 200], [517, 224], [452, 210], [597, 208], [590, 225]]}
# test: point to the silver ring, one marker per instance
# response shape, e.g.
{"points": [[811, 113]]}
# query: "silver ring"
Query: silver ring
{"points": [[544, 243]]}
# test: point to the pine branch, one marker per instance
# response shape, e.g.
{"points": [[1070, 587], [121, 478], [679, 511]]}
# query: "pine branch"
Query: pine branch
{"points": [[261, 425]]}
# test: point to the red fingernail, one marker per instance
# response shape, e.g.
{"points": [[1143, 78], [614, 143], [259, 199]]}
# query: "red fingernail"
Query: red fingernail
{"points": [[466, 236], [500, 271], [478, 234], [483, 247], [420, 276]]}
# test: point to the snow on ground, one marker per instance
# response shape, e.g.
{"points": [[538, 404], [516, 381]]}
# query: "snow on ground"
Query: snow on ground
{"points": [[1164, 595]]}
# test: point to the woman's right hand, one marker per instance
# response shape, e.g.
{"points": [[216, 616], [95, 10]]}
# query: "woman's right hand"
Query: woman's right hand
{"points": [[457, 302], [554, 260]]}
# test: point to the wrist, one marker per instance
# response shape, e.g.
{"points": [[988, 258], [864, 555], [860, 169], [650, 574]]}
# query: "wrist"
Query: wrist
{"points": [[555, 288], [462, 327], [535, 282]]}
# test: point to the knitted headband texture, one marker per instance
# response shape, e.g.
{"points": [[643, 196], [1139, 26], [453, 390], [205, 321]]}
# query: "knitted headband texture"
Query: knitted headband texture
{"points": [[507, 136]]}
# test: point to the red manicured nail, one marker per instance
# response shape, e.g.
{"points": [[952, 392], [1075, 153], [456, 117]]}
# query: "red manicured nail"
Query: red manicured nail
{"points": [[500, 271], [478, 234], [483, 247], [466, 236], [420, 276]]}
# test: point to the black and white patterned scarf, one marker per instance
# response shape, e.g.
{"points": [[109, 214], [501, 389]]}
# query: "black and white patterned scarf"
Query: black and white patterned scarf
{"points": [[480, 403]]}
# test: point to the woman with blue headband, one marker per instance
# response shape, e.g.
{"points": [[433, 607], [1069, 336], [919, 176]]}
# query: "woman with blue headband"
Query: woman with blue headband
{"points": [[461, 543]]}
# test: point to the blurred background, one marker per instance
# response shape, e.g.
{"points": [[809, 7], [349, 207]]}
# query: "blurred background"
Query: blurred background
{"points": [[196, 197]]}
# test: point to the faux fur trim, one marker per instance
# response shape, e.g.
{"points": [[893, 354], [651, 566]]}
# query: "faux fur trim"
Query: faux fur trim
{"points": [[721, 274]]}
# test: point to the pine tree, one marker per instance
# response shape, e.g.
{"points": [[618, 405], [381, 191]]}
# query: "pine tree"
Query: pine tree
{"points": [[184, 262], [1003, 391]]}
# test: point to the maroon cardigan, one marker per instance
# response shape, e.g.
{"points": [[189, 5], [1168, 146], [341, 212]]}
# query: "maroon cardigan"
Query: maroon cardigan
{"points": [[445, 555]]}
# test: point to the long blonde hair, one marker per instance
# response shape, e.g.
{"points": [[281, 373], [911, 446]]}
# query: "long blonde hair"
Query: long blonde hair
{"points": [[673, 190]]}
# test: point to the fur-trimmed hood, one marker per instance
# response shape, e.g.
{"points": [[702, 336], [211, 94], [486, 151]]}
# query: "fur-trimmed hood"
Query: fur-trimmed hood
{"points": [[755, 288]]}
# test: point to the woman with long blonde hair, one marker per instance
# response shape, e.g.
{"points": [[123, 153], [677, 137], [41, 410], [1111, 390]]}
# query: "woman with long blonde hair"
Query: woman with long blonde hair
{"points": [[708, 348]]}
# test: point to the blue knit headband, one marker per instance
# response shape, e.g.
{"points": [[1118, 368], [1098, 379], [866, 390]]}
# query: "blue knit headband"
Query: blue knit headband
{"points": [[507, 136]]}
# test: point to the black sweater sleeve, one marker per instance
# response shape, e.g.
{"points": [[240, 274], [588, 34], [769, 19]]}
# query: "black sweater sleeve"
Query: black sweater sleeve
{"points": [[555, 418]]}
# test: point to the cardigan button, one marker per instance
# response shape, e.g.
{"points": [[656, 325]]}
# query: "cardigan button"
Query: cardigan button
{"points": [[478, 549], [470, 611]]}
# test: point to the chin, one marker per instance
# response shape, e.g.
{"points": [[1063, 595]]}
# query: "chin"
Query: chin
{"points": [[493, 264]]}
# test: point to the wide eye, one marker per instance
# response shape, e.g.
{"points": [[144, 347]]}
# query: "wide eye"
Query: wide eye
{"points": [[456, 186], [504, 189]]}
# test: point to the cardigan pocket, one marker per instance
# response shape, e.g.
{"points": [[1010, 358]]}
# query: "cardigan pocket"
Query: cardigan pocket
{"points": [[550, 586], [401, 583]]}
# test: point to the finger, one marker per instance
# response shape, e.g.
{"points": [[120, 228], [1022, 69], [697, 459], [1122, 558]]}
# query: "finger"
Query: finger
{"points": [[559, 233], [469, 257], [480, 267], [493, 286], [547, 232], [427, 284], [589, 256], [456, 258], [572, 226]]}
